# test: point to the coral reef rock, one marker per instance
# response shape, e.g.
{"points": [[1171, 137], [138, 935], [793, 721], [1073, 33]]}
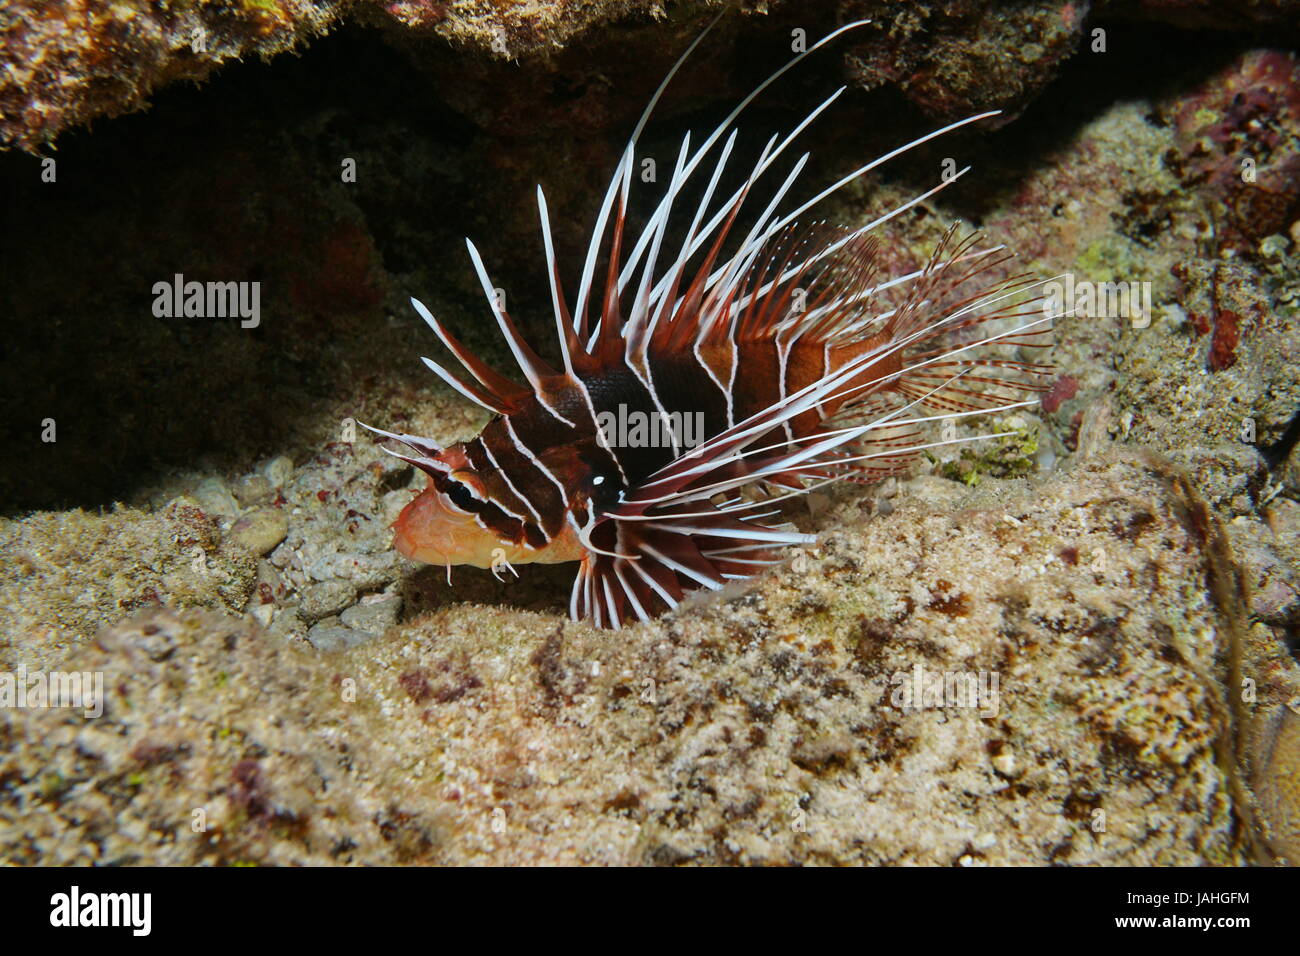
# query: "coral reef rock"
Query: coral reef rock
{"points": [[70, 61], [1015, 673]]}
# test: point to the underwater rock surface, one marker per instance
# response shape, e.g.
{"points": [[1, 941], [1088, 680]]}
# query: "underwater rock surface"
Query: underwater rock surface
{"points": [[210, 532], [71, 61], [773, 724]]}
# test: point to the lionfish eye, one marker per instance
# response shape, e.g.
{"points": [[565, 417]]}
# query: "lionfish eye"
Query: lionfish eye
{"points": [[460, 495]]}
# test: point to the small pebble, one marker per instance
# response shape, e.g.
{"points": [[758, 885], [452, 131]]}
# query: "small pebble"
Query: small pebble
{"points": [[335, 637], [322, 600], [373, 615], [278, 471], [261, 531], [253, 489], [269, 574], [215, 498], [151, 636], [1005, 764]]}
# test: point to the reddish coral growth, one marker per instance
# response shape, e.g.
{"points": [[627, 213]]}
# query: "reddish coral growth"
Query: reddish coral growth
{"points": [[148, 596], [418, 13], [246, 789], [456, 691], [1071, 438], [458, 682], [1239, 141], [1062, 390], [150, 753], [416, 685], [1225, 324], [1223, 346]]}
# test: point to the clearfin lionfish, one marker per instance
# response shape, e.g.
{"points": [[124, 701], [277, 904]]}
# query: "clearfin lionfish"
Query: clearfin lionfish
{"points": [[801, 363]]}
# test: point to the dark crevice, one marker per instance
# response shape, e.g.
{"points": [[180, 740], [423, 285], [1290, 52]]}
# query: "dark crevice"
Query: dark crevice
{"points": [[239, 179]]}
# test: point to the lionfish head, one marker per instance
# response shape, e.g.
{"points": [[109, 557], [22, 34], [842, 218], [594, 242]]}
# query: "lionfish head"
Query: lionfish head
{"points": [[455, 521], [440, 527]]}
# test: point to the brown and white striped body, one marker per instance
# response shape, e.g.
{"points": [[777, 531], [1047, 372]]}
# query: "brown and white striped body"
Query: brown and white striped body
{"points": [[786, 354]]}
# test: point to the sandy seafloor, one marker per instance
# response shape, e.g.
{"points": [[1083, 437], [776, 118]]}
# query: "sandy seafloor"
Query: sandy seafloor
{"points": [[209, 534]]}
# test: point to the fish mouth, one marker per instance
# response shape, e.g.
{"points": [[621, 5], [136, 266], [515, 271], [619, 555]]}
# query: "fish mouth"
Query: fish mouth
{"points": [[432, 530], [408, 546]]}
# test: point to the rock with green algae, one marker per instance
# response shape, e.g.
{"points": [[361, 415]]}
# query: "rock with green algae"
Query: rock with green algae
{"points": [[766, 724], [1010, 455], [1211, 366]]}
